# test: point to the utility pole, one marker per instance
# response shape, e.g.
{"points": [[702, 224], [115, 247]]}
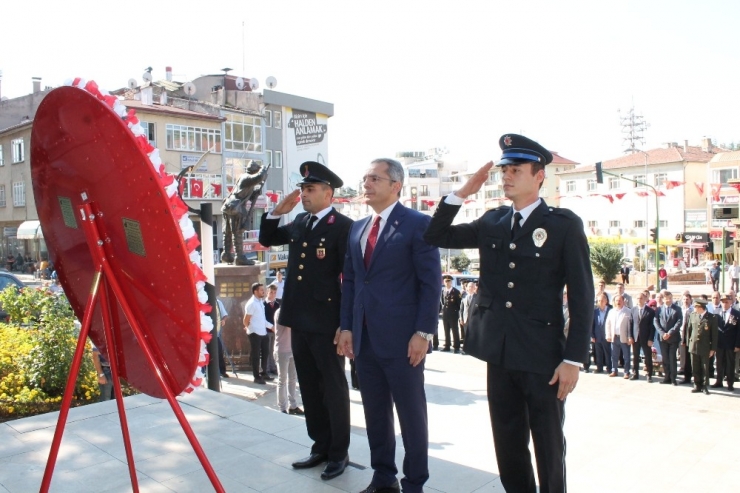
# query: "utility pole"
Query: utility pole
{"points": [[633, 127]]}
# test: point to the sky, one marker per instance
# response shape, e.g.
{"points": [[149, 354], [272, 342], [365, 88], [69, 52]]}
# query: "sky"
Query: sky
{"points": [[408, 75]]}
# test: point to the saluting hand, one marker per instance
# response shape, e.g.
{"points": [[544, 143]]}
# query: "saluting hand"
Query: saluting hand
{"points": [[287, 204], [567, 375], [475, 182]]}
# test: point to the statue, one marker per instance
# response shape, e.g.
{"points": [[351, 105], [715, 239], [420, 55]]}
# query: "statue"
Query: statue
{"points": [[237, 217]]}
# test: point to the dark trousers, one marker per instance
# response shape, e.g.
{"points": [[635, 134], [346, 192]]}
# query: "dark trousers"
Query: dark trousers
{"points": [[523, 403], [700, 365], [670, 366], [258, 352], [591, 349], [324, 391], [602, 354], [449, 322], [383, 383], [686, 363], [647, 351], [726, 366]]}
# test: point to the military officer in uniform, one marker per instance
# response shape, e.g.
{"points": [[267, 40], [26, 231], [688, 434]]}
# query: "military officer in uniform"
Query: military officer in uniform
{"points": [[449, 303], [527, 252], [317, 241], [703, 338]]}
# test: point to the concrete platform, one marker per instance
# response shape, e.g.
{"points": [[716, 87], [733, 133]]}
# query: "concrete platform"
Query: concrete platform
{"points": [[653, 438]]}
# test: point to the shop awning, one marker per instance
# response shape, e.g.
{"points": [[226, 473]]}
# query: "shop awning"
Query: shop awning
{"points": [[29, 230]]}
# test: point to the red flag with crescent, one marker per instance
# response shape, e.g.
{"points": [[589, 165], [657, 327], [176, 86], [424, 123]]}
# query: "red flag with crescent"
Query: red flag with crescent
{"points": [[716, 187]]}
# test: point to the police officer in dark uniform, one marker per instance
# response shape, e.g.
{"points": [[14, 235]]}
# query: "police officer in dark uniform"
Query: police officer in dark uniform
{"points": [[449, 302], [528, 253], [317, 242]]}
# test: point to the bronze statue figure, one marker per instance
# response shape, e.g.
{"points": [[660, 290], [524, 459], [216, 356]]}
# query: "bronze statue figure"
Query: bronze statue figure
{"points": [[238, 216]]}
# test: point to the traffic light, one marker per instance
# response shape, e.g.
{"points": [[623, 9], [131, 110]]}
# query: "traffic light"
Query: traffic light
{"points": [[728, 238], [599, 174], [653, 234]]}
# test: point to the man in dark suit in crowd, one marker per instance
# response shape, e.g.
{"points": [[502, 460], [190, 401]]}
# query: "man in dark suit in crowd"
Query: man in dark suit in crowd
{"points": [[702, 344], [449, 303], [625, 272], [310, 306], [602, 347], [643, 333], [668, 321], [388, 331], [728, 320], [687, 307], [527, 252]]}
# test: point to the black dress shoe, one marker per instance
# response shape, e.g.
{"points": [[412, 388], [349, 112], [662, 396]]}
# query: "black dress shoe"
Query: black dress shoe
{"points": [[456, 351], [297, 411], [675, 383], [650, 378], [717, 385], [445, 350], [334, 468], [695, 390], [730, 388], [394, 488], [686, 381], [312, 460], [634, 377], [259, 380], [665, 381], [706, 390]]}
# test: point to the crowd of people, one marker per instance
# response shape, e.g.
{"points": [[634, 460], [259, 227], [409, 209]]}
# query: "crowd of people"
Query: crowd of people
{"points": [[695, 338]]}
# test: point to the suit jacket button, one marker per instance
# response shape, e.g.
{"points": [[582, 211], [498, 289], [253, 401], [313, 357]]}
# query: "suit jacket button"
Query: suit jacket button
{"points": [[510, 285], [493, 246], [512, 265], [508, 304], [305, 244], [303, 255], [300, 267], [367, 282], [299, 278], [329, 299], [512, 246]]}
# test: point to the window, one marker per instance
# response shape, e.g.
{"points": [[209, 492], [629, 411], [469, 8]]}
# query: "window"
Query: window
{"points": [[424, 205], [640, 223], [2, 195], [242, 133], [591, 185], [495, 176], [663, 223], [278, 122], [16, 146], [494, 194], [659, 179], [2, 162], [235, 167], [570, 186], [149, 132], [614, 183], [641, 179], [722, 175], [268, 118], [543, 192], [278, 159], [593, 224], [613, 224], [424, 191], [19, 194], [184, 138], [268, 158]]}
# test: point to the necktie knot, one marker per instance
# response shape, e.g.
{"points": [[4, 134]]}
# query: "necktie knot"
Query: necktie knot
{"points": [[311, 222], [516, 226]]}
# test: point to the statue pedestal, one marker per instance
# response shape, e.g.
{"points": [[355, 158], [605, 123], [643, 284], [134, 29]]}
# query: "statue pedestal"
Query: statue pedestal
{"points": [[234, 288]]}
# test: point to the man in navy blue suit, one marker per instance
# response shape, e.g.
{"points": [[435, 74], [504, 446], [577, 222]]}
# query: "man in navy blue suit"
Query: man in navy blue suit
{"points": [[390, 303]]}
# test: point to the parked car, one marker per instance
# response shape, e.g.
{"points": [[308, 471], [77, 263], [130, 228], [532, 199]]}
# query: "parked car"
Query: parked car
{"points": [[702, 266], [8, 279]]}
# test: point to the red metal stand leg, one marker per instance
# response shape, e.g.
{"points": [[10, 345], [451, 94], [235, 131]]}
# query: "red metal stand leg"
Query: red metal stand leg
{"points": [[113, 358], [71, 381]]}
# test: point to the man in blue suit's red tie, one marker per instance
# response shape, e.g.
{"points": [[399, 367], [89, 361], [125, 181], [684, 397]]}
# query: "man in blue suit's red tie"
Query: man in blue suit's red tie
{"points": [[390, 302]]}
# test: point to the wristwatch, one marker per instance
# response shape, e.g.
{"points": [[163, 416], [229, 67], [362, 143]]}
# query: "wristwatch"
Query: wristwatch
{"points": [[426, 336], [101, 375]]}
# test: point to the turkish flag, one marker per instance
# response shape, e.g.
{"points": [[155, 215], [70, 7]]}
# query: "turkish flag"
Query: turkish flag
{"points": [[699, 186], [673, 184], [716, 187], [196, 188], [642, 194], [608, 197], [216, 189], [619, 195]]}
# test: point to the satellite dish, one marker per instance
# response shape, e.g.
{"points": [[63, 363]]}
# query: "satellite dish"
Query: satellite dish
{"points": [[239, 83], [271, 82], [189, 88], [132, 84], [147, 76], [253, 84]]}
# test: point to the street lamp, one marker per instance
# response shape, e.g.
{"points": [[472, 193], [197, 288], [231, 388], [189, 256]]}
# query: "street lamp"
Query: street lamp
{"points": [[600, 179]]}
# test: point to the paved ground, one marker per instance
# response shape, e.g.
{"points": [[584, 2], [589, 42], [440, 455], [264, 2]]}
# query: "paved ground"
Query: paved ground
{"points": [[654, 437]]}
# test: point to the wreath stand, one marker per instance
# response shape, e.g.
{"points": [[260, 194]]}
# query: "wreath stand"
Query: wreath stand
{"points": [[122, 254]]}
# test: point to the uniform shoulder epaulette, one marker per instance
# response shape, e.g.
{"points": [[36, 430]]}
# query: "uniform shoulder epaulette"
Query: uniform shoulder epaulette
{"points": [[563, 212]]}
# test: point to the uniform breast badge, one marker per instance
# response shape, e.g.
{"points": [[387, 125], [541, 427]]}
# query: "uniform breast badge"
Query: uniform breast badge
{"points": [[320, 253], [539, 236]]}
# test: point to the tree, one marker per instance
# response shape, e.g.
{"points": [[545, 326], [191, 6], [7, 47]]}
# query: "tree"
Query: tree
{"points": [[606, 261], [460, 263]]}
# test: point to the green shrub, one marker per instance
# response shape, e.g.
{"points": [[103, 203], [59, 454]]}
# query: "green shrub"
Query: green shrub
{"points": [[606, 261]]}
